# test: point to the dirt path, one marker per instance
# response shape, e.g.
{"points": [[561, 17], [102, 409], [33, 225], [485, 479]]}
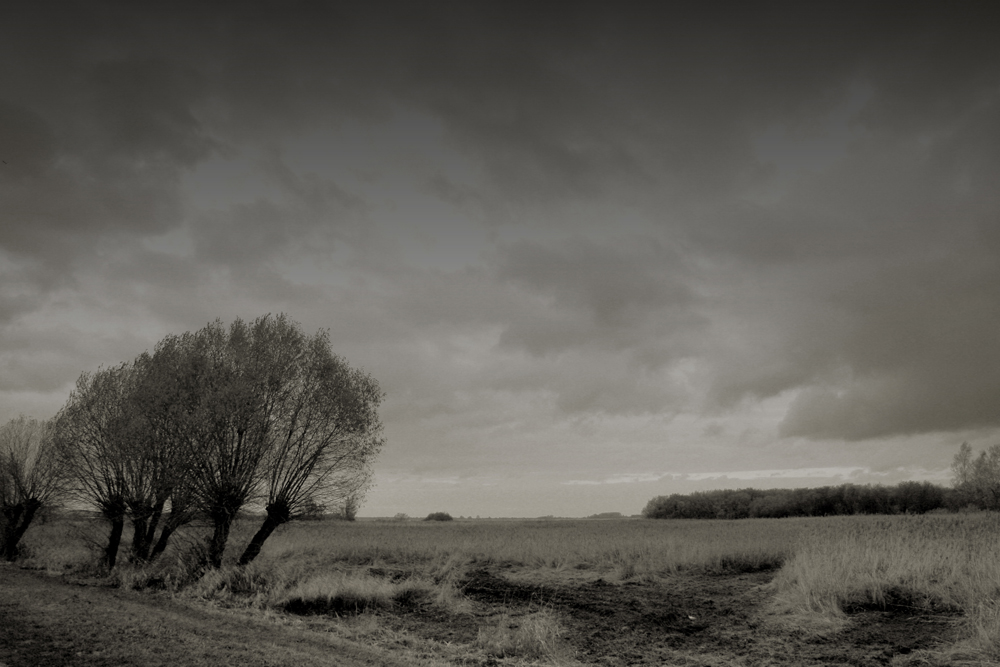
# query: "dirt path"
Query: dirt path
{"points": [[45, 621]]}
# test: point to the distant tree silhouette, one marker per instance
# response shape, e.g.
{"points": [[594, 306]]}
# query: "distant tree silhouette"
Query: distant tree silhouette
{"points": [[904, 498], [31, 478], [976, 479]]}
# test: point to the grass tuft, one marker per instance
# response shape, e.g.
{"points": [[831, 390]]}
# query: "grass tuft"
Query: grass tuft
{"points": [[243, 586], [351, 594], [535, 636], [138, 577]]}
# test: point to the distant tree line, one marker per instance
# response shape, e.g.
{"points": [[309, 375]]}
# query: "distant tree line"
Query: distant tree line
{"points": [[203, 427], [904, 498], [976, 485]]}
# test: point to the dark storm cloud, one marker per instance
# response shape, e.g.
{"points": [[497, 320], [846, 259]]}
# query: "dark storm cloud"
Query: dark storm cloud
{"points": [[558, 103], [921, 352], [92, 144], [867, 284], [306, 214], [145, 112], [633, 298]]}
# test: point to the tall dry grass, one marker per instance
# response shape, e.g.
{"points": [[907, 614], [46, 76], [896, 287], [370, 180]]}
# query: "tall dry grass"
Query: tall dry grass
{"points": [[64, 545], [618, 548], [623, 548], [828, 566], [948, 563], [534, 636]]}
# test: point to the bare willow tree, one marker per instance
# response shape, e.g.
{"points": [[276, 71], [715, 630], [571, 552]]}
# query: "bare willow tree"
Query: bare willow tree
{"points": [[123, 452], [244, 382], [279, 419], [163, 401], [30, 478], [214, 420], [323, 436], [92, 432]]}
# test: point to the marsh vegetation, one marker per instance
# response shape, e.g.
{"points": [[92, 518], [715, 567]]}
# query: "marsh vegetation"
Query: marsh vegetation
{"points": [[862, 590]]}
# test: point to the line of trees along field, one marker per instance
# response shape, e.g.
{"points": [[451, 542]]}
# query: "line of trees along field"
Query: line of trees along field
{"points": [[202, 427], [976, 485]]}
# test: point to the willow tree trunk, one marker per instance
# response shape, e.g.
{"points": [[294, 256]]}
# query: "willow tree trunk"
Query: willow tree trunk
{"points": [[217, 545], [143, 532], [15, 524], [271, 521], [114, 540], [138, 539], [175, 520]]}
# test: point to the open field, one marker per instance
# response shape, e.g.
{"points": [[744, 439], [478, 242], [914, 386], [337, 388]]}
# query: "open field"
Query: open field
{"points": [[902, 590]]}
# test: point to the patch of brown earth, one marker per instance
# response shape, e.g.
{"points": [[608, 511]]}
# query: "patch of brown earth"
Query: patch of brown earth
{"points": [[45, 622], [687, 619]]}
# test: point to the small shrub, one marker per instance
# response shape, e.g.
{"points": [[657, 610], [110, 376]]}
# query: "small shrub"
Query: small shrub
{"points": [[187, 563], [22, 552], [236, 585], [351, 507], [438, 516], [312, 512], [534, 636], [346, 594], [137, 577]]}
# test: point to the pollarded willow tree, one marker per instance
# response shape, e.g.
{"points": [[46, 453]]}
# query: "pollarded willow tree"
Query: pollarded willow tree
{"points": [[30, 478], [213, 421], [162, 401], [279, 418], [94, 435], [244, 373], [323, 436], [121, 437]]}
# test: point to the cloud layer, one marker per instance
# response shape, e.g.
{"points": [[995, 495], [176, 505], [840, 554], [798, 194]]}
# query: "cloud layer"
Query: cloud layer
{"points": [[566, 240]]}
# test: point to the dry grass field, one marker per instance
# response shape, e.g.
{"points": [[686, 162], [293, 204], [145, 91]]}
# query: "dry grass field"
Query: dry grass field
{"points": [[904, 590]]}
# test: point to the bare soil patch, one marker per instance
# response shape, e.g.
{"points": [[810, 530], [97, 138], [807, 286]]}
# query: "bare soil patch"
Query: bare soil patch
{"points": [[46, 621], [688, 619]]}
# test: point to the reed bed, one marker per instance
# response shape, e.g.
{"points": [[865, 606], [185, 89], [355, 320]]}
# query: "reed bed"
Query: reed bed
{"points": [[625, 548], [930, 562], [934, 563]]}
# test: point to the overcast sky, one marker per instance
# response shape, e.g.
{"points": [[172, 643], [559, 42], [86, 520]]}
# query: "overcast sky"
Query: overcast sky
{"points": [[593, 253]]}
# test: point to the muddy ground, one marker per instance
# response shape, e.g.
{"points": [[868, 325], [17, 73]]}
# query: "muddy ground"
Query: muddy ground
{"points": [[689, 619], [49, 621]]}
